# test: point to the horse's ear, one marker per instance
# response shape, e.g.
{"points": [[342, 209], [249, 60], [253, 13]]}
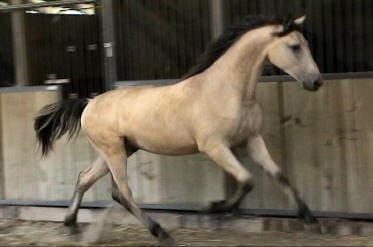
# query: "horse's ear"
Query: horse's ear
{"points": [[299, 21]]}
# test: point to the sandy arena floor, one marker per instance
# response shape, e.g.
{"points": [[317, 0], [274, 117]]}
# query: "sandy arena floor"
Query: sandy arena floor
{"points": [[37, 233]]}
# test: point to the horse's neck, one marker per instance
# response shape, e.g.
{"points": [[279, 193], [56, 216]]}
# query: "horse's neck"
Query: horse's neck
{"points": [[240, 67]]}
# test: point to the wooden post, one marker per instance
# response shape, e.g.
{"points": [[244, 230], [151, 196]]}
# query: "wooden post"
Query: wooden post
{"points": [[19, 46], [216, 18], [108, 38]]}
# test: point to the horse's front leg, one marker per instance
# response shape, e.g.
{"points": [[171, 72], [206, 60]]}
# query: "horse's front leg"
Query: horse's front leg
{"points": [[86, 179], [259, 153], [223, 156]]}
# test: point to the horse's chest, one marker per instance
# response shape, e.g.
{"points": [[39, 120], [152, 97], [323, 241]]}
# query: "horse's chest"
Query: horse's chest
{"points": [[248, 123]]}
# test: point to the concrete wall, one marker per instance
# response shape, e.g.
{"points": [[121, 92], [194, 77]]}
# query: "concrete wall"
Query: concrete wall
{"points": [[323, 141]]}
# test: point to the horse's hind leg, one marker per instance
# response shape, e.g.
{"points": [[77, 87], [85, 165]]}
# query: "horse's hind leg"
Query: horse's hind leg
{"points": [[259, 153], [116, 158], [86, 179]]}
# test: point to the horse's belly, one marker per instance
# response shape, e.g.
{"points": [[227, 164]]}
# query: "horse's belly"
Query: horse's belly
{"points": [[175, 145]]}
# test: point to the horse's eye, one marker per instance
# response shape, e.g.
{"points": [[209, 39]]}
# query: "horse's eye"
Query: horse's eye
{"points": [[295, 47]]}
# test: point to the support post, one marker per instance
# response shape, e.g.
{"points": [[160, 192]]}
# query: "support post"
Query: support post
{"points": [[109, 44], [216, 18], [19, 47]]}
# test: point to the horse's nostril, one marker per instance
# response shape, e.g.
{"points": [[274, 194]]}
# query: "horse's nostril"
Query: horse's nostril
{"points": [[318, 84]]}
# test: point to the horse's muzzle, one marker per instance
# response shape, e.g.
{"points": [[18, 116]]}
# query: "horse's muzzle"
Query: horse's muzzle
{"points": [[314, 85]]}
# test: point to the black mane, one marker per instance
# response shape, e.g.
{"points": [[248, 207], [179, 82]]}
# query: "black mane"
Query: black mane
{"points": [[218, 47]]}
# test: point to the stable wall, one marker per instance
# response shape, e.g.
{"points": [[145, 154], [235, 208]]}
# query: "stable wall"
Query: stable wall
{"points": [[322, 140]]}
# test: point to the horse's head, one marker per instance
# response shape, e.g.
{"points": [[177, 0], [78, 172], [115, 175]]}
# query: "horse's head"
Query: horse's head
{"points": [[290, 52]]}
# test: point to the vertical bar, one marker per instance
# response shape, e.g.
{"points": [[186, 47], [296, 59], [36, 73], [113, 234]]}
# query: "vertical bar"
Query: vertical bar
{"points": [[243, 9], [119, 23], [205, 13], [349, 41], [217, 18], [181, 19], [179, 70], [19, 46], [252, 8], [339, 37], [358, 37], [368, 35], [137, 31], [317, 23], [328, 29], [108, 38]]}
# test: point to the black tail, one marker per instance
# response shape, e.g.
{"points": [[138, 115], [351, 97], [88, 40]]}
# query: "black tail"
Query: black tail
{"points": [[56, 119]]}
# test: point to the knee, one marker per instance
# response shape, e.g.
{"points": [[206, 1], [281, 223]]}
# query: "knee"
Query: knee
{"points": [[244, 177]]}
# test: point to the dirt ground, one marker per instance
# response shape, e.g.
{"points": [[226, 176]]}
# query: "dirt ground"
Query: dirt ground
{"points": [[37, 233]]}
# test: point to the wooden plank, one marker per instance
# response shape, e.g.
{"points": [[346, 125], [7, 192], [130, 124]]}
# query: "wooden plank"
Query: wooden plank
{"points": [[191, 179], [304, 136], [358, 136]]}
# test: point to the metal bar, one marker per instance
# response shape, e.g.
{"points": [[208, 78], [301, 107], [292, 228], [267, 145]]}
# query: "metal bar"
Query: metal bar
{"points": [[216, 18], [273, 78], [108, 38], [145, 82], [27, 6], [185, 208], [19, 47], [21, 89]]}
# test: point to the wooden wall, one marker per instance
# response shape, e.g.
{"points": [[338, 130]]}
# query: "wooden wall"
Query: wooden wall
{"points": [[323, 141]]}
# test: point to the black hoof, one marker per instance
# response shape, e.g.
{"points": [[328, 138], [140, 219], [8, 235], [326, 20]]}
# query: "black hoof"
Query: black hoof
{"points": [[70, 222], [166, 240], [219, 207], [313, 228], [74, 229]]}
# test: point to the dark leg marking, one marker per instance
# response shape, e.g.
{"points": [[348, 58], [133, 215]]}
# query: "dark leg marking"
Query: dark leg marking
{"points": [[86, 178], [153, 226], [70, 219], [231, 204], [303, 211]]}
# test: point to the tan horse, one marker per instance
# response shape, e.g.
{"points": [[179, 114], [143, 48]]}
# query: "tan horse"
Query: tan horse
{"points": [[212, 110]]}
